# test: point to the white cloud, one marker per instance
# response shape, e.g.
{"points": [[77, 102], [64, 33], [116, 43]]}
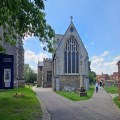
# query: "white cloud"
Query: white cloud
{"points": [[100, 64], [32, 59], [105, 54], [31, 56], [117, 58], [41, 56]]}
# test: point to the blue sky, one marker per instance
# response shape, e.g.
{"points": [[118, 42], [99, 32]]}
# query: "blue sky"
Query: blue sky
{"points": [[98, 24]]}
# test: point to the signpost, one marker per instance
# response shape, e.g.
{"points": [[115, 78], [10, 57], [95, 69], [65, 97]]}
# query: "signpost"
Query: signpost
{"points": [[6, 71]]}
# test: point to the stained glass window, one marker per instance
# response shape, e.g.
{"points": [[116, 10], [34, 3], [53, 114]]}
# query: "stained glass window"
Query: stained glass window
{"points": [[73, 62], [71, 56], [65, 61], [77, 62]]}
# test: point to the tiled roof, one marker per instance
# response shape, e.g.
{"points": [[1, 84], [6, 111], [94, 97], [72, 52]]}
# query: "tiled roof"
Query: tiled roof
{"points": [[115, 73]]}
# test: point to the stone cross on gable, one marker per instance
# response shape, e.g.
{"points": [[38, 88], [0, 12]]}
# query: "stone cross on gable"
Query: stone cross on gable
{"points": [[71, 17]]}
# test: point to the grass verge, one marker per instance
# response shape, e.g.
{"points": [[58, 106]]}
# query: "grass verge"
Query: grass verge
{"points": [[116, 101], [74, 96], [25, 107], [111, 89]]}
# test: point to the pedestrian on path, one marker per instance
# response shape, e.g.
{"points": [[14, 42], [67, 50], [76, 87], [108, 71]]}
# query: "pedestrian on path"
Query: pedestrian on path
{"points": [[96, 86], [100, 84]]}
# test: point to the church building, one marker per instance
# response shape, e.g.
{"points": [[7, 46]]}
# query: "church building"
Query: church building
{"points": [[18, 52], [68, 68]]}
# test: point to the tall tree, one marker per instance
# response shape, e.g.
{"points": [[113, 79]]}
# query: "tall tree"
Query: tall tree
{"points": [[92, 77], [29, 74], [91, 74], [23, 18]]}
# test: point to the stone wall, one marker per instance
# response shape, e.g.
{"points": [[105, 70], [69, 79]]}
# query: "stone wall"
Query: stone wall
{"points": [[18, 53], [20, 67], [47, 66], [61, 79], [69, 82], [39, 77], [82, 52], [70, 79]]}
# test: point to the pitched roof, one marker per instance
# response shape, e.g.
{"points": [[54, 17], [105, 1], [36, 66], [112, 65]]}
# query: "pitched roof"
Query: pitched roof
{"points": [[58, 36], [115, 73], [62, 36], [102, 76]]}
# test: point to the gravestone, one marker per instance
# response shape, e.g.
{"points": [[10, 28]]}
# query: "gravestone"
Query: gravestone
{"points": [[82, 91]]}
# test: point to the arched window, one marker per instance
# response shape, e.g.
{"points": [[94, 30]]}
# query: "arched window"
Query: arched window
{"points": [[71, 56]]}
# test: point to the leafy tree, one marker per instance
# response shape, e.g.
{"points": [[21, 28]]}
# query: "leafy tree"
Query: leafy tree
{"points": [[29, 74], [92, 77], [23, 18]]}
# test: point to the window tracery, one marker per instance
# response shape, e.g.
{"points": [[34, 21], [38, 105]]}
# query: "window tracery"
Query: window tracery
{"points": [[71, 56]]}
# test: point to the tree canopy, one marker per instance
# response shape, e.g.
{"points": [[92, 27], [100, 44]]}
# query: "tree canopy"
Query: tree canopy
{"points": [[29, 74], [92, 77], [23, 18], [91, 74]]}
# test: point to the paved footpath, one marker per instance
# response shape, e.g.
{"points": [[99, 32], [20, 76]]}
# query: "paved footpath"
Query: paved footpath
{"points": [[99, 107]]}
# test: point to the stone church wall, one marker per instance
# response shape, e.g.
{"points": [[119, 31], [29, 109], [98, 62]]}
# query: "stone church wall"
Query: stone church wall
{"points": [[60, 79], [60, 51], [20, 67], [47, 66], [69, 82], [18, 53], [39, 77]]}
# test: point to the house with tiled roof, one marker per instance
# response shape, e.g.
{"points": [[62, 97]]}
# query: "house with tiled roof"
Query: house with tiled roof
{"points": [[102, 77]]}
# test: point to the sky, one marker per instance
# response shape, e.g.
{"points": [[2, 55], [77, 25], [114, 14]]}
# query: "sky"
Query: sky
{"points": [[97, 23]]}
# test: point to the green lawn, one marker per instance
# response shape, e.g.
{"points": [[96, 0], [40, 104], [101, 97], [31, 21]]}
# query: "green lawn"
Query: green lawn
{"points": [[116, 101], [111, 89], [74, 96], [24, 107]]}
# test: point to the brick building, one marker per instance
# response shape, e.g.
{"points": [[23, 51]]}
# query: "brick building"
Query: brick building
{"points": [[114, 76], [102, 77], [68, 68]]}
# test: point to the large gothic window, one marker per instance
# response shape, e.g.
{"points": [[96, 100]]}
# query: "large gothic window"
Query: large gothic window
{"points": [[71, 56]]}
